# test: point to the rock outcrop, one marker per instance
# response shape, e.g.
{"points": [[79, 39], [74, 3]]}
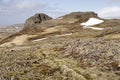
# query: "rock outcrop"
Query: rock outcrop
{"points": [[81, 16], [32, 22]]}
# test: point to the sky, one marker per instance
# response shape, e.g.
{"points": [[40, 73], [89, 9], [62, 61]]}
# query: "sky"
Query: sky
{"points": [[17, 11]]}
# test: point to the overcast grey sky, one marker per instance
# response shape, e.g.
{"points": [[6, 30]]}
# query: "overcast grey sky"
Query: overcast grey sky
{"points": [[17, 11]]}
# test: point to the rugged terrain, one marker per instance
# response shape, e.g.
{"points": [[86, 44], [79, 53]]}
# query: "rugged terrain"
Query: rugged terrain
{"points": [[61, 49]]}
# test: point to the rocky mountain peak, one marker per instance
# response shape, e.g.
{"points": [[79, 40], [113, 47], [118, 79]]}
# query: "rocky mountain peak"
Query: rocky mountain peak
{"points": [[36, 20]]}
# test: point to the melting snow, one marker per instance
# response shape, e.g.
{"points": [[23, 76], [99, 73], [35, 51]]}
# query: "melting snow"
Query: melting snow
{"points": [[95, 28], [63, 35], [39, 39], [91, 22], [55, 36]]}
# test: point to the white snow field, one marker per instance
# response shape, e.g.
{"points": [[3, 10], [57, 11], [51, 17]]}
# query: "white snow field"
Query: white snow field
{"points": [[91, 22]]}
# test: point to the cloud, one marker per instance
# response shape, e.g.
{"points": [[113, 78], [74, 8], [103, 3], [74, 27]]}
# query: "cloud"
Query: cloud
{"points": [[4, 1], [114, 0], [26, 5], [17, 5], [17, 11], [30, 5], [110, 12]]}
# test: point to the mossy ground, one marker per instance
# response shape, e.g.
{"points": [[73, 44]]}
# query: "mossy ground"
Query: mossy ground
{"points": [[63, 58]]}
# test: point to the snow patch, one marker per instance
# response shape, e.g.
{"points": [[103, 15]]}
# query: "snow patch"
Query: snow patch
{"points": [[54, 36], [95, 28], [63, 35], [92, 22], [39, 39]]}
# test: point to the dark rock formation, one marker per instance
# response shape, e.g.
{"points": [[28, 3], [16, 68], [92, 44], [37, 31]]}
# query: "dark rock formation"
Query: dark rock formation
{"points": [[32, 22]]}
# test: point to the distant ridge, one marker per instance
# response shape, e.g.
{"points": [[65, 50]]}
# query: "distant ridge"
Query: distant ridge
{"points": [[12, 28]]}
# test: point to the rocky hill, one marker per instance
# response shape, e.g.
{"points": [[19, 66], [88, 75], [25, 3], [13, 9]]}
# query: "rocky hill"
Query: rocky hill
{"points": [[32, 22], [42, 25], [77, 46], [41, 21]]}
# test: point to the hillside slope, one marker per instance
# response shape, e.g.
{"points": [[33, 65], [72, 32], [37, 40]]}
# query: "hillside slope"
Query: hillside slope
{"points": [[63, 49]]}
